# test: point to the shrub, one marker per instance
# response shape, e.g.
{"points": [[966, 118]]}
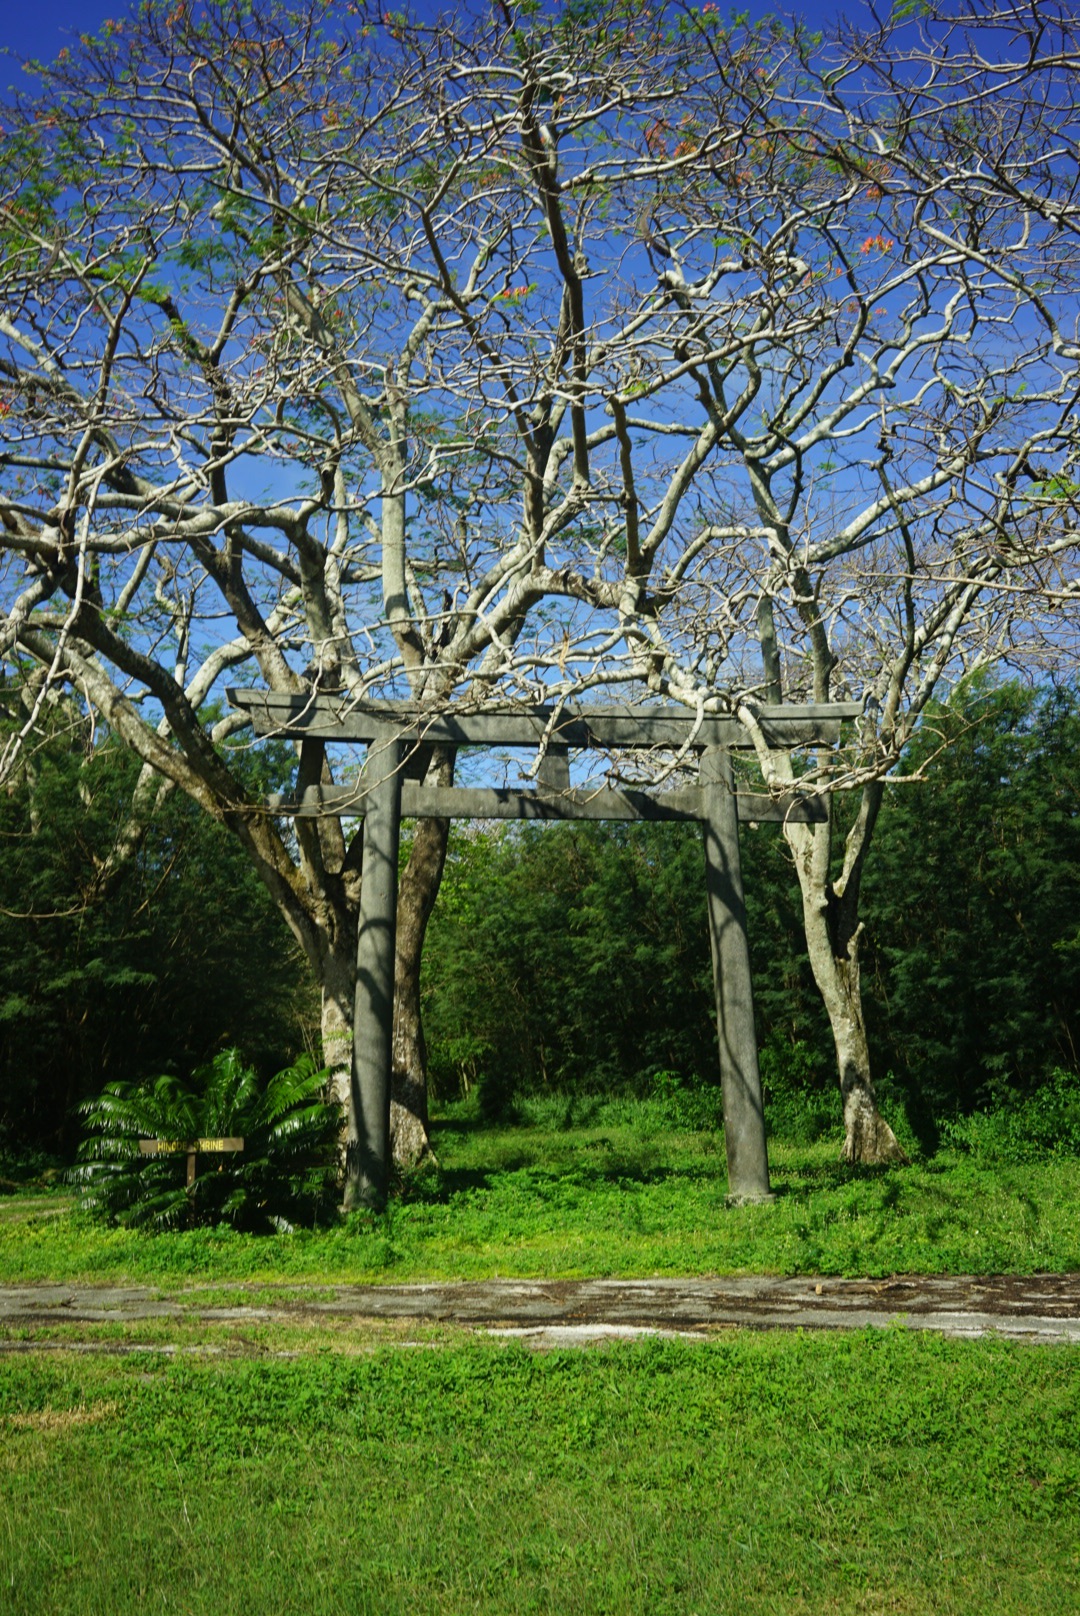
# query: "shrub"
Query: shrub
{"points": [[287, 1172], [801, 1100], [1046, 1123], [689, 1103]]}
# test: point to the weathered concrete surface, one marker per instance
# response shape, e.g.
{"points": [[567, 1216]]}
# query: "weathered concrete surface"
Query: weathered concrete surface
{"points": [[1041, 1307]]}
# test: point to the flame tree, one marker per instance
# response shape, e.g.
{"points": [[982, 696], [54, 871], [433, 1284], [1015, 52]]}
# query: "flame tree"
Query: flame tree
{"points": [[516, 354]]}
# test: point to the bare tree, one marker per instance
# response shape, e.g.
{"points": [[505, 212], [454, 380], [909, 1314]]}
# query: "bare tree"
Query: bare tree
{"points": [[516, 355], [314, 341], [871, 293]]}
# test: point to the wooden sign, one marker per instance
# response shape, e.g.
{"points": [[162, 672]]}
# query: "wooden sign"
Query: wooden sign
{"points": [[189, 1147], [177, 1147]]}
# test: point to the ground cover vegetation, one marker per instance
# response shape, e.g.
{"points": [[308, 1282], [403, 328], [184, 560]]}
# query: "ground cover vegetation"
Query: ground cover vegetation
{"points": [[610, 1188], [778, 1472], [533, 352]]}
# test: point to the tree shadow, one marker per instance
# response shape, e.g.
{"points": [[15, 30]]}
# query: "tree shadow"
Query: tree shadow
{"points": [[795, 1181], [468, 1125], [445, 1183], [545, 1179]]}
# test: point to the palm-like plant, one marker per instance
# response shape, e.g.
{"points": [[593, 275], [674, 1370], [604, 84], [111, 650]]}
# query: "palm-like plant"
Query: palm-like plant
{"points": [[286, 1173]]}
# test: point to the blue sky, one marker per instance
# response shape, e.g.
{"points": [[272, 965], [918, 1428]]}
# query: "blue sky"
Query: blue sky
{"points": [[41, 28]]}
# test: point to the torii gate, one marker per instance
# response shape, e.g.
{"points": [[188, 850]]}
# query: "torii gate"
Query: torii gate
{"points": [[399, 735]]}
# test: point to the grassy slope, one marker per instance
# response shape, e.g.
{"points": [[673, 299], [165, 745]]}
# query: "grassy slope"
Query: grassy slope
{"points": [[762, 1473], [619, 1197], [284, 1467]]}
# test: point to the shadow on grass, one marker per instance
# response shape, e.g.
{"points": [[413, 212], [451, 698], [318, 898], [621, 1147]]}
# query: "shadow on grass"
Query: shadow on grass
{"points": [[437, 1186], [466, 1125], [800, 1183], [533, 1178], [548, 1161]]}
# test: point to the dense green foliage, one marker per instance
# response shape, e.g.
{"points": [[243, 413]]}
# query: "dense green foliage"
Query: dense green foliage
{"points": [[973, 903], [286, 1172], [576, 957], [572, 959], [180, 954], [609, 1189], [751, 1474], [1029, 1128]]}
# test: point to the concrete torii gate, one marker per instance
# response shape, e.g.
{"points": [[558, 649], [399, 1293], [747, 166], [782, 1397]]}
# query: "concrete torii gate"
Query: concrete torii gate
{"points": [[399, 736]]}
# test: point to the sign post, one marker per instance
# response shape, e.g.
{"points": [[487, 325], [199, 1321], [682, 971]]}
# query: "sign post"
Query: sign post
{"points": [[192, 1148]]}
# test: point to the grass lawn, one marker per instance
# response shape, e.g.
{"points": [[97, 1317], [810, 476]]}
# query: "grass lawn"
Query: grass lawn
{"points": [[620, 1196], [357, 1467], [873, 1473]]}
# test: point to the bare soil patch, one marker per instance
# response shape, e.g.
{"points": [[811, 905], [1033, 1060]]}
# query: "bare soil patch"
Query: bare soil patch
{"points": [[1040, 1307]]}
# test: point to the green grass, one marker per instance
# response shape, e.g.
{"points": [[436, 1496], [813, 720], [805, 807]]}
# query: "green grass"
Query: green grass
{"points": [[620, 1196], [879, 1472], [378, 1467]]}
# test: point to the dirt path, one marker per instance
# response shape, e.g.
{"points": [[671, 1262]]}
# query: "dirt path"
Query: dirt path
{"points": [[546, 1313]]}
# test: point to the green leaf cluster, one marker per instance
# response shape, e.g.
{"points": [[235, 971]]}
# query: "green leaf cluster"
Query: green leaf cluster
{"points": [[154, 967], [972, 895], [286, 1173]]}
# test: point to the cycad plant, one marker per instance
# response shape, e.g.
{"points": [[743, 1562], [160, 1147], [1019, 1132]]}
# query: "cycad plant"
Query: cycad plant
{"points": [[286, 1174]]}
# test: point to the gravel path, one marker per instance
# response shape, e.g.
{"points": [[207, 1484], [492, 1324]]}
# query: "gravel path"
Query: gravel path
{"points": [[545, 1313]]}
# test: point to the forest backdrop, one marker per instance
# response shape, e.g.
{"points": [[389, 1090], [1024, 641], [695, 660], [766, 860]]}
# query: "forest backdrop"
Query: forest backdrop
{"points": [[541, 937]]}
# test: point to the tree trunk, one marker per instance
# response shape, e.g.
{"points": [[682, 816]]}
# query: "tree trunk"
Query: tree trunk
{"points": [[338, 987], [868, 1139], [417, 891], [834, 960]]}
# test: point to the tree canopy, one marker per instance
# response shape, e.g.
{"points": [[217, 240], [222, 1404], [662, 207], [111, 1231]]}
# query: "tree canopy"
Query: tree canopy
{"points": [[529, 350]]}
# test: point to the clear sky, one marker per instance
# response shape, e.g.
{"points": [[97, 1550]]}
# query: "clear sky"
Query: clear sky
{"points": [[41, 28]]}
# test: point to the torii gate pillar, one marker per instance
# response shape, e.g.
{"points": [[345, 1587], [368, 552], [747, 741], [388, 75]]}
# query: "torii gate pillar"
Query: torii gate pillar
{"points": [[740, 1079], [367, 1153]]}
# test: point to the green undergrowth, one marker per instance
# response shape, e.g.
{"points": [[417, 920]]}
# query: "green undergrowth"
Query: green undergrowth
{"points": [[243, 1336], [881, 1471], [601, 1191]]}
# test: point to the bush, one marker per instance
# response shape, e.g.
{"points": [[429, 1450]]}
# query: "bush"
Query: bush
{"points": [[689, 1103], [1046, 1123], [138, 982], [22, 1167], [801, 1099], [287, 1172]]}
